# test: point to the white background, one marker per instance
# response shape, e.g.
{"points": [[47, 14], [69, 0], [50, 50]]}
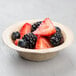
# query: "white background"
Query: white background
{"points": [[12, 11]]}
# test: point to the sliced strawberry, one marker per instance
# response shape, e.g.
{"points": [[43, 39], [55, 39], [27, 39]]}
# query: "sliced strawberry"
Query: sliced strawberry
{"points": [[46, 28], [26, 28], [42, 43], [16, 41]]}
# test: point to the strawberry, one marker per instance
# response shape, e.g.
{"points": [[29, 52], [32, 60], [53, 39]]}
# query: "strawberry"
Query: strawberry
{"points": [[26, 28], [16, 41], [46, 28], [42, 43]]}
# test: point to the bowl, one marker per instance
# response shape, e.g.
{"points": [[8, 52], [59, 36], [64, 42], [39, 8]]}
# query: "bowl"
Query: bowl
{"points": [[37, 54]]}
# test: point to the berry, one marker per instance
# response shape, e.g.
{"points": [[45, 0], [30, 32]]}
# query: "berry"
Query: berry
{"points": [[46, 28], [55, 39], [16, 41], [30, 39], [58, 29], [35, 26], [26, 28], [21, 43], [42, 43], [15, 35]]}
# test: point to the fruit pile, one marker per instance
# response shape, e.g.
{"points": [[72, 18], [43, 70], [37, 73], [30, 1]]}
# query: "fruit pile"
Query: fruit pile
{"points": [[39, 35]]}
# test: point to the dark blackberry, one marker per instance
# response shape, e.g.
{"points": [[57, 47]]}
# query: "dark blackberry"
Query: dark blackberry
{"points": [[30, 40], [35, 26], [58, 29], [22, 43], [56, 39], [15, 35]]}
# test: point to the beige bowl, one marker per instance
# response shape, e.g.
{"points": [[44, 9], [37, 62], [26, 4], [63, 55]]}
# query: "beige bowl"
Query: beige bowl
{"points": [[32, 54]]}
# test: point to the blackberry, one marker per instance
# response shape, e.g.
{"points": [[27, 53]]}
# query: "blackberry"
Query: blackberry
{"points": [[56, 39], [15, 35], [30, 40], [35, 26], [58, 29]]}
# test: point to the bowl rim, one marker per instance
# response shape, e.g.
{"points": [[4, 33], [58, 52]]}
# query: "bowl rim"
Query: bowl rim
{"points": [[65, 29]]}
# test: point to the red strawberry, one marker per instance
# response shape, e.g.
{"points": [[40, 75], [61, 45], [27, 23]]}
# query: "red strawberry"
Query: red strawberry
{"points": [[46, 28], [26, 28], [42, 43], [16, 41]]}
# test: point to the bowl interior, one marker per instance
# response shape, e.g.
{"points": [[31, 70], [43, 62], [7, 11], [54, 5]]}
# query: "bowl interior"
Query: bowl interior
{"points": [[67, 34]]}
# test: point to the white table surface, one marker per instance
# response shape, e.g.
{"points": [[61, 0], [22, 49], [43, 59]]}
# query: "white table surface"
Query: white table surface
{"points": [[12, 11]]}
